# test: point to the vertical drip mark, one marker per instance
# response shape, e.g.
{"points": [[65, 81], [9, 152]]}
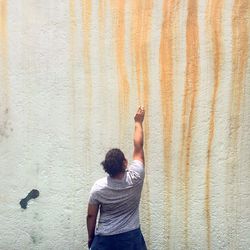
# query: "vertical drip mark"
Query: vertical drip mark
{"points": [[86, 22], [101, 12], [166, 80], [240, 41], [214, 27], [72, 48], [146, 26], [141, 27], [189, 103], [103, 74], [240, 57], [121, 64], [4, 77], [72, 44], [136, 42], [86, 17]]}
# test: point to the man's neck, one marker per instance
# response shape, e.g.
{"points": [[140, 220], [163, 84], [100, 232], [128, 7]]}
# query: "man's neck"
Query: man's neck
{"points": [[119, 176]]}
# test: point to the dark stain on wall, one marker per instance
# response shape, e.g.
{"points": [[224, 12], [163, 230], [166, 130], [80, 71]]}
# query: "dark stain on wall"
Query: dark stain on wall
{"points": [[33, 194]]}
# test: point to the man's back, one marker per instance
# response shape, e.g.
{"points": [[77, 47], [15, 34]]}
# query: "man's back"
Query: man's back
{"points": [[119, 200], [116, 198]]}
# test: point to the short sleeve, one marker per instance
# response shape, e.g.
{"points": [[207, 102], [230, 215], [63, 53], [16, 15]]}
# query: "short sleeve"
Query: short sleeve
{"points": [[137, 166], [93, 199]]}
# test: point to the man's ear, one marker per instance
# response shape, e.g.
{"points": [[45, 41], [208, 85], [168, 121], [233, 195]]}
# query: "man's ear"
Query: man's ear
{"points": [[125, 163]]}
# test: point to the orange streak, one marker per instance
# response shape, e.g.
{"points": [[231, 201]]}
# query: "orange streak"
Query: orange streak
{"points": [[72, 47], [4, 77], [142, 13], [189, 102], [146, 22], [214, 26], [119, 11], [240, 57], [101, 12], [86, 19], [166, 73], [4, 44], [137, 20], [240, 52]]}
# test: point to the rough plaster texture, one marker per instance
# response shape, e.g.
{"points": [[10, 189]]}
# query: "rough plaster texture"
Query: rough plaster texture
{"points": [[72, 74]]}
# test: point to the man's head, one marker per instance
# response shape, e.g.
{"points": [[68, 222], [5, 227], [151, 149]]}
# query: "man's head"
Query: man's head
{"points": [[115, 162]]}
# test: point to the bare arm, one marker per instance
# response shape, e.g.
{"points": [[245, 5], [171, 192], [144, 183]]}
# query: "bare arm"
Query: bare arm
{"points": [[138, 135], [91, 222]]}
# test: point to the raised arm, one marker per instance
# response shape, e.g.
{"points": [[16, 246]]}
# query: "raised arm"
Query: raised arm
{"points": [[138, 135]]}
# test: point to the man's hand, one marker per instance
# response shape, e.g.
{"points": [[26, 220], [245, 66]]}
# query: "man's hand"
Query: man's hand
{"points": [[138, 135], [139, 116]]}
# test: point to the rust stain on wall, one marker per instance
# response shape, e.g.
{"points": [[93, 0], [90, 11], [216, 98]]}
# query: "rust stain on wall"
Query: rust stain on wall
{"points": [[214, 26], [119, 28], [146, 28], [240, 40], [170, 10], [72, 48], [101, 15], [140, 30], [102, 8], [240, 56], [4, 77], [86, 19], [136, 41], [189, 103], [101, 23], [86, 23]]}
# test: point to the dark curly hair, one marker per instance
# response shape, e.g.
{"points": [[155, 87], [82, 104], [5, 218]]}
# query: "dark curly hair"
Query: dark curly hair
{"points": [[114, 161]]}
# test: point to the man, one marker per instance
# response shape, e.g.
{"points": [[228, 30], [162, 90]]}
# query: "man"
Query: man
{"points": [[117, 197]]}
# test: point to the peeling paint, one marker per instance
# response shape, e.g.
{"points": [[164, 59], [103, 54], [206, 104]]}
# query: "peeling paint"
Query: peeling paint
{"points": [[189, 105], [214, 27]]}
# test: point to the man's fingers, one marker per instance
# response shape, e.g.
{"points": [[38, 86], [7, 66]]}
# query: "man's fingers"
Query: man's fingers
{"points": [[141, 109]]}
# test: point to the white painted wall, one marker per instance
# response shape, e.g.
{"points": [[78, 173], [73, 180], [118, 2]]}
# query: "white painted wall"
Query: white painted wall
{"points": [[64, 67]]}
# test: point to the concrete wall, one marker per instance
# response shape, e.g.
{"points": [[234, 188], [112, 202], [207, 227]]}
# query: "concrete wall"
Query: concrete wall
{"points": [[72, 74]]}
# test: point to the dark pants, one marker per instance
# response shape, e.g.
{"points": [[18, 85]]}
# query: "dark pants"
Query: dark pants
{"points": [[132, 240]]}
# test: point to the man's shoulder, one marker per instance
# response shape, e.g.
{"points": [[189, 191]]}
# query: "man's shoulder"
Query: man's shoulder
{"points": [[138, 167], [100, 183]]}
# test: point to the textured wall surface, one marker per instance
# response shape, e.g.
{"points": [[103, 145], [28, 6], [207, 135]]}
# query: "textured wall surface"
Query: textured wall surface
{"points": [[72, 74]]}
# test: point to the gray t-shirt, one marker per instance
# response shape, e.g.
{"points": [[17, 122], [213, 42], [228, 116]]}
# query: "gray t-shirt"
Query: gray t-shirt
{"points": [[119, 200]]}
